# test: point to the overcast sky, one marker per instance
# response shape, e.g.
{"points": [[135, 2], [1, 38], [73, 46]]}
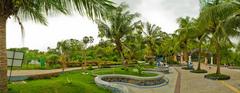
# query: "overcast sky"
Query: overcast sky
{"points": [[160, 12]]}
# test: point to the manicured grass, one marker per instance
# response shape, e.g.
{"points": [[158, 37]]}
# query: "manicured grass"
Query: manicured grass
{"points": [[81, 83]]}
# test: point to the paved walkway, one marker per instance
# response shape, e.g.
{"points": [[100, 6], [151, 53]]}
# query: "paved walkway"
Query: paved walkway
{"points": [[196, 83], [169, 88]]}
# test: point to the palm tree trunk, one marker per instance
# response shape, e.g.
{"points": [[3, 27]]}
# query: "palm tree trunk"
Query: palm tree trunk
{"points": [[199, 57], [3, 56], [218, 55], [185, 56], [85, 59], [174, 57], [181, 58], [185, 52], [120, 50]]}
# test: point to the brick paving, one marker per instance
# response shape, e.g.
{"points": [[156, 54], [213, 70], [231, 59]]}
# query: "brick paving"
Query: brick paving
{"points": [[196, 83]]}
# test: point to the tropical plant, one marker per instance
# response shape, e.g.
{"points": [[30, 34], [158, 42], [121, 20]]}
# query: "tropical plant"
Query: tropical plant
{"points": [[85, 40], [168, 48], [120, 23], [153, 36], [140, 67], [185, 34], [134, 46], [52, 60], [220, 19]]}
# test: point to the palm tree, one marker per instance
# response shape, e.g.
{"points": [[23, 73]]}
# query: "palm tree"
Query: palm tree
{"points": [[153, 37], [221, 19], [199, 37], [37, 10], [168, 47], [185, 34], [91, 39], [134, 46], [86, 40], [120, 23]]}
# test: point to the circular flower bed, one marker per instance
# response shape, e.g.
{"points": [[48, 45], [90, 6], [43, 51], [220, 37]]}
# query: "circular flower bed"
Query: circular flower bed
{"points": [[150, 82], [187, 68], [199, 71], [215, 76]]}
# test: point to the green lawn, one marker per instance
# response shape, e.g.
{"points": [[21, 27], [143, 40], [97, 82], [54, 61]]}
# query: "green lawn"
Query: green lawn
{"points": [[81, 83], [34, 67]]}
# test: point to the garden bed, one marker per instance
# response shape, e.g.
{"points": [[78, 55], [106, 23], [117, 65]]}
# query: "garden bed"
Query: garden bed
{"points": [[199, 71], [116, 82], [215, 76]]}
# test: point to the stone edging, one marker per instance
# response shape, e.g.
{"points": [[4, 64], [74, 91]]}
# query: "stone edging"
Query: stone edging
{"points": [[118, 87]]}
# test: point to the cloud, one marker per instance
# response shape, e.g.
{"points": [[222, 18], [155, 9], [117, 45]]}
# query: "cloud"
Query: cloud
{"points": [[160, 12], [164, 12]]}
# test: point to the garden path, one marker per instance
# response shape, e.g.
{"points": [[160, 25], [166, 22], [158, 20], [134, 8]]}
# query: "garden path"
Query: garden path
{"points": [[196, 83]]}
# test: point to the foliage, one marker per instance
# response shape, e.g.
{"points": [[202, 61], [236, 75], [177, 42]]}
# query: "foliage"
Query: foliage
{"points": [[220, 21], [53, 60], [199, 71], [215, 76], [153, 36], [90, 67], [120, 23], [140, 67]]}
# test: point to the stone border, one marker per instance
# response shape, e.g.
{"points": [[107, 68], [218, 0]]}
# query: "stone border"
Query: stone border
{"points": [[118, 87]]}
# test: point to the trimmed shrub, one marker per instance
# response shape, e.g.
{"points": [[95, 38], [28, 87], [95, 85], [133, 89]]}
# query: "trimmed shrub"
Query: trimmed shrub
{"points": [[199, 71], [74, 64], [43, 76], [90, 67], [187, 68], [215, 76]]}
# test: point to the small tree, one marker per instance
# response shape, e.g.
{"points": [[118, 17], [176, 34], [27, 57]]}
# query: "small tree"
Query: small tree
{"points": [[140, 67]]}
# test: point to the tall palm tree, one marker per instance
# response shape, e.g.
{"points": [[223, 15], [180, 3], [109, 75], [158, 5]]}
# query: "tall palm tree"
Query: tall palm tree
{"points": [[37, 10], [134, 46], [168, 48], [185, 34], [120, 23], [221, 19], [199, 37], [153, 37]]}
